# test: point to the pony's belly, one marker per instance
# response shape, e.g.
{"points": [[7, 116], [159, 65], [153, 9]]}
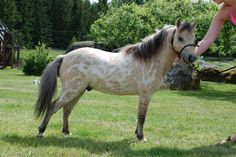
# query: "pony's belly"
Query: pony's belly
{"points": [[112, 92], [116, 91], [115, 87]]}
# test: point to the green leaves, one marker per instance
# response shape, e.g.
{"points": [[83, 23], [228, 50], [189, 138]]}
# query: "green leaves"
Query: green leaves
{"points": [[130, 23], [121, 26], [36, 60]]}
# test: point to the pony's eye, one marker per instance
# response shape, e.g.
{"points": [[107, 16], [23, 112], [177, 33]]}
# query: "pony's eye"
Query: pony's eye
{"points": [[180, 39]]}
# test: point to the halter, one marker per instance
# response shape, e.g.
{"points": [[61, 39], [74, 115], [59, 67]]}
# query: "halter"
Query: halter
{"points": [[179, 53]]}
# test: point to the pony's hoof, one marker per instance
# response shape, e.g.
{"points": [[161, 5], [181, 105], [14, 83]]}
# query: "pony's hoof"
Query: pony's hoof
{"points": [[68, 134], [40, 135], [229, 140], [142, 140]]}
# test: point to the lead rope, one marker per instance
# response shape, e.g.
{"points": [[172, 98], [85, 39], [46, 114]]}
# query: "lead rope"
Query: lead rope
{"points": [[228, 69]]}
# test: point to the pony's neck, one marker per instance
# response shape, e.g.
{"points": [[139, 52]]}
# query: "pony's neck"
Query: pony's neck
{"points": [[167, 56]]}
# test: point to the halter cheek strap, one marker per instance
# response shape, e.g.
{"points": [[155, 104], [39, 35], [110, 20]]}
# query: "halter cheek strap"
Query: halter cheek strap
{"points": [[179, 53]]}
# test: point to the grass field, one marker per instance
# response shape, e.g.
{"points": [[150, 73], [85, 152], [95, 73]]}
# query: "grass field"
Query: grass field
{"points": [[178, 123]]}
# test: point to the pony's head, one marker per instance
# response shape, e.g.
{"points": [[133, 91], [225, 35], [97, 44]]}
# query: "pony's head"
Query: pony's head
{"points": [[183, 41]]}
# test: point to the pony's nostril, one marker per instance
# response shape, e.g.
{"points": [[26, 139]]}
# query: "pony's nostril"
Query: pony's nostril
{"points": [[191, 58]]}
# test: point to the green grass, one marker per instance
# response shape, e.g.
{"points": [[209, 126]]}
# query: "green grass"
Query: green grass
{"points": [[178, 123]]}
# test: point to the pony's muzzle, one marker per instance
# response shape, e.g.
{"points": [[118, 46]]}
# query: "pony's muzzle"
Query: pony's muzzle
{"points": [[191, 58], [188, 57]]}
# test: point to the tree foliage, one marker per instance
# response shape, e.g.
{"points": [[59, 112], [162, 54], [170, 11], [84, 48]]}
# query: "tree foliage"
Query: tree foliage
{"points": [[121, 22], [121, 26], [6, 14], [36, 60], [130, 23], [53, 22]]}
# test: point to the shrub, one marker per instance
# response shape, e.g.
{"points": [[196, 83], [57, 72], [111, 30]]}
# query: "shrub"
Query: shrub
{"points": [[130, 23], [127, 24], [36, 60]]}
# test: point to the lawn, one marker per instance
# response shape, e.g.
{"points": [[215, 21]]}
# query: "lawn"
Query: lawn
{"points": [[178, 123]]}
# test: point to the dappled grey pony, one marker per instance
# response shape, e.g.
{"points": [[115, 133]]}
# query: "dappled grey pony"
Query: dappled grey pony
{"points": [[135, 70]]}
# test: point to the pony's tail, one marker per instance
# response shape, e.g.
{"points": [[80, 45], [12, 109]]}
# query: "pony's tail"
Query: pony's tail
{"points": [[48, 84]]}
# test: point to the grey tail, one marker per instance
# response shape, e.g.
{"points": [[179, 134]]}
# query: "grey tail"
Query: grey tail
{"points": [[48, 86]]}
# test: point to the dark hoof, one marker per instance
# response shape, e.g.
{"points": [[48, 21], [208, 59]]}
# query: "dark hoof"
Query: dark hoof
{"points": [[140, 137], [66, 132]]}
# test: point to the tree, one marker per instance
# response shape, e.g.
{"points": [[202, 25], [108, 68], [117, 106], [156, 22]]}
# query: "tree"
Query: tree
{"points": [[53, 22], [130, 23], [118, 3], [85, 19], [125, 25], [42, 23], [76, 18], [102, 6], [8, 12], [60, 18], [25, 22]]}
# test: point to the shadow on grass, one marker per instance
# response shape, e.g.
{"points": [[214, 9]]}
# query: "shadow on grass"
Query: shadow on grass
{"points": [[118, 148], [210, 93]]}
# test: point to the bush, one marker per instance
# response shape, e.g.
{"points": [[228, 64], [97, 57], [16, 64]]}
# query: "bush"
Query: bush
{"points": [[127, 24], [130, 23], [36, 60]]}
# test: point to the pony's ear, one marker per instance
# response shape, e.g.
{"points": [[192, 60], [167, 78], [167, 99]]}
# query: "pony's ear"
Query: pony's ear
{"points": [[178, 23]]}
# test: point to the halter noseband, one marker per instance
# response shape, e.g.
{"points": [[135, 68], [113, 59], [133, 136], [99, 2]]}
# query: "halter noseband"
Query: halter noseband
{"points": [[179, 53]]}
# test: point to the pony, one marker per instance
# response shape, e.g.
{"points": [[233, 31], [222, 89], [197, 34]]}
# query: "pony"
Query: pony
{"points": [[136, 69]]}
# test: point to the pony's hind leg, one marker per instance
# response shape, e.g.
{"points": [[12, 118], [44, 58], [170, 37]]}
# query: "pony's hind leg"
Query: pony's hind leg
{"points": [[66, 113], [47, 117], [67, 96]]}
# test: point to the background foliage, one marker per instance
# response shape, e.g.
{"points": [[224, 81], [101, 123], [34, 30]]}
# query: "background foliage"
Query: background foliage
{"points": [[130, 23], [53, 22], [36, 60], [115, 23]]}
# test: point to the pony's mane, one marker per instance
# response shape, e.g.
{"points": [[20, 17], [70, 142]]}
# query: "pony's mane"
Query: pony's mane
{"points": [[149, 47]]}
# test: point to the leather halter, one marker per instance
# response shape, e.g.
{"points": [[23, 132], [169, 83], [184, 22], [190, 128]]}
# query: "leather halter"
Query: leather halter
{"points": [[179, 53]]}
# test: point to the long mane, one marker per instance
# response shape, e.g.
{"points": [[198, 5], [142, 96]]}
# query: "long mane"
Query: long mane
{"points": [[149, 47]]}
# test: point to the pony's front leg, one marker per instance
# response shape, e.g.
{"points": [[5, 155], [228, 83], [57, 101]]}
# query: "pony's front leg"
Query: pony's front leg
{"points": [[142, 110]]}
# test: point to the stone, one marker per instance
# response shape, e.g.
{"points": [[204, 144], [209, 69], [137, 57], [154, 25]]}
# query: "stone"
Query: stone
{"points": [[182, 77]]}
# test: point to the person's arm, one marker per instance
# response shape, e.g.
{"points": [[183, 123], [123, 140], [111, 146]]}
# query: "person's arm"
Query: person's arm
{"points": [[216, 25]]}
